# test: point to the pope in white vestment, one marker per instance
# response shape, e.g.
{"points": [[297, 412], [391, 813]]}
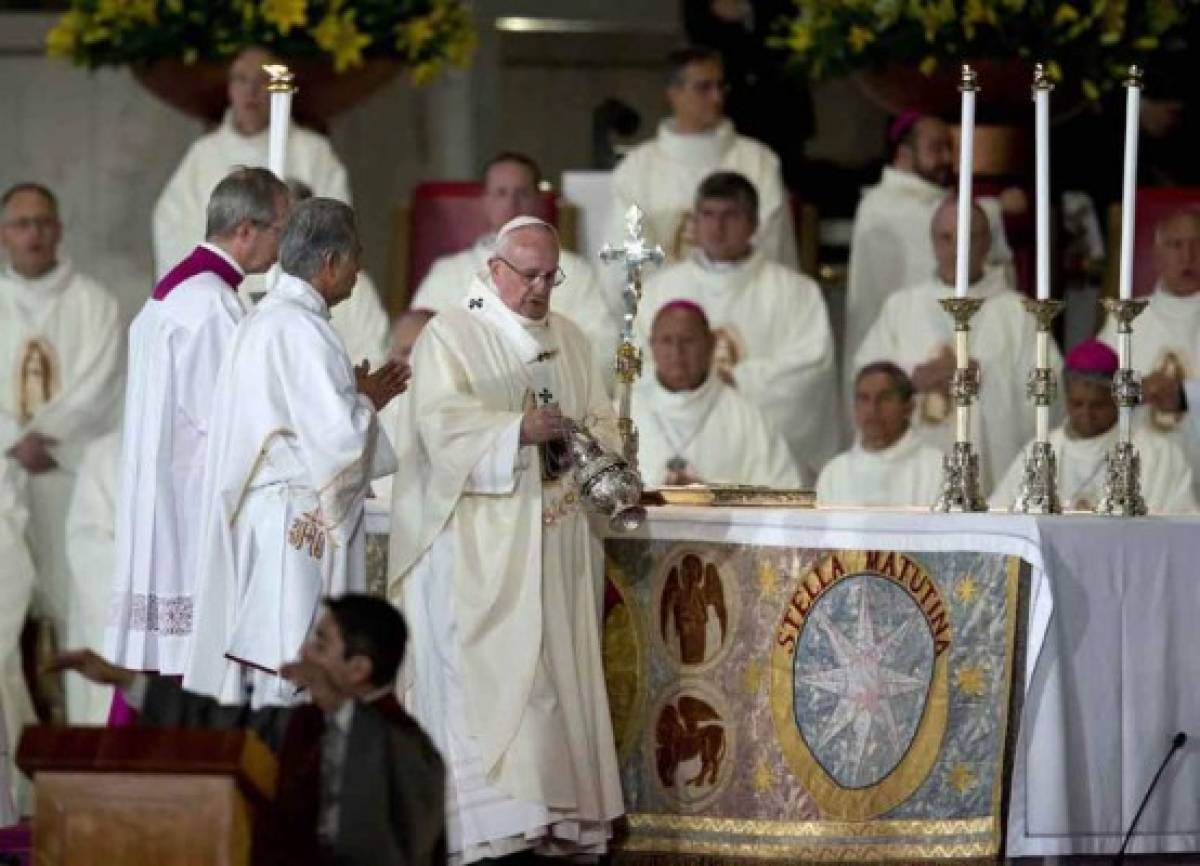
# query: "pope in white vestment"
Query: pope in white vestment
{"points": [[661, 176], [1165, 335], [510, 184], [498, 571], [889, 465], [774, 344], [915, 332], [177, 343], [889, 247], [291, 450], [692, 427], [61, 373], [91, 535]]}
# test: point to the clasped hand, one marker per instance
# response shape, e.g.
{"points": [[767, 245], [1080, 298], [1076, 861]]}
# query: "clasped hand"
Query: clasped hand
{"points": [[381, 386], [543, 424]]}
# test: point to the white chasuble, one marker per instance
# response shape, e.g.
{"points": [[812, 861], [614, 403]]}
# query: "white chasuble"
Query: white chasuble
{"points": [[661, 177], [179, 214], [292, 448], [176, 346], [61, 374], [913, 328], [891, 246], [91, 533], [714, 434], [1165, 339], [580, 298], [908, 473], [772, 327], [504, 669], [1166, 475]]}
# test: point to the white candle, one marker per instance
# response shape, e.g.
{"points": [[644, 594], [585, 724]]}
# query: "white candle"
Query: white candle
{"points": [[1043, 423], [1129, 184], [1041, 102], [966, 156], [281, 114]]}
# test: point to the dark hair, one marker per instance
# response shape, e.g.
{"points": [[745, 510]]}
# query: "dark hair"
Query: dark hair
{"points": [[373, 628], [900, 380], [730, 186], [29, 186], [682, 58], [512, 156]]}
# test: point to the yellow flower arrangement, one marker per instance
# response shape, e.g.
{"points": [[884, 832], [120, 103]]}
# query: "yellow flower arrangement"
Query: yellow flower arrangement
{"points": [[425, 35]]}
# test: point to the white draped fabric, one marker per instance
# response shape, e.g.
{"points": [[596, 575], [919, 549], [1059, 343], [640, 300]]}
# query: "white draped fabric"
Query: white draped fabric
{"points": [[1165, 339], [175, 350], [291, 451], [772, 322], [718, 433], [505, 667], [661, 177], [16, 591], [91, 535], [580, 298], [179, 214], [906, 473], [1166, 475], [913, 328], [61, 373], [890, 248]]}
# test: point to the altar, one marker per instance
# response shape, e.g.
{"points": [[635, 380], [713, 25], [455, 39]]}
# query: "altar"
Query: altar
{"points": [[853, 685]]}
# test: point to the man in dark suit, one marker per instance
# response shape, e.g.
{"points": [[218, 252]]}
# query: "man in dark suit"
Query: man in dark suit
{"points": [[359, 782]]}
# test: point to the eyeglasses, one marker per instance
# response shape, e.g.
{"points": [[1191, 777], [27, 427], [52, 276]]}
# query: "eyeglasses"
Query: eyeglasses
{"points": [[552, 278], [24, 223]]}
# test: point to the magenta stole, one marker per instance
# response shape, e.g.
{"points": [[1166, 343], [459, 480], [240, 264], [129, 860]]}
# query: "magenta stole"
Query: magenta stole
{"points": [[199, 261]]}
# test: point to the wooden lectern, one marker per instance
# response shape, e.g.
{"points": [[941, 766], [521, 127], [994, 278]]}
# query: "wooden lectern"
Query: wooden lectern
{"points": [[135, 796]]}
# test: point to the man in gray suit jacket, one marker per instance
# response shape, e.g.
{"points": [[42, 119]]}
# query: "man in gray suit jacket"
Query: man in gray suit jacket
{"points": [[359, 782]]}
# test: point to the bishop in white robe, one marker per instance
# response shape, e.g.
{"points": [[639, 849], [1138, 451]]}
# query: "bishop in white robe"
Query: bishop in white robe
{"points": [[916, 334], [661, 176], [498, 571], [888, 465], [1165, 335], [889, 246], [240, 141], [293, 444], [177, 343], [61, 373], [774, 343], [692, 427], [91, 537], [1089, 434], [510, 190]]}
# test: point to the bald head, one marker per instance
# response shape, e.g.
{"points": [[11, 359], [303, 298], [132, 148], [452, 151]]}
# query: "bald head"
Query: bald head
{"points": [[524, 268], [682, 344], [1177, 252], [249, 102], [405, 330], [944, 230]]}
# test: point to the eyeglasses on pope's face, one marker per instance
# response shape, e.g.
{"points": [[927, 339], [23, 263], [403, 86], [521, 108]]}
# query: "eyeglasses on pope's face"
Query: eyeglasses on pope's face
{"points": [[552, 278]]}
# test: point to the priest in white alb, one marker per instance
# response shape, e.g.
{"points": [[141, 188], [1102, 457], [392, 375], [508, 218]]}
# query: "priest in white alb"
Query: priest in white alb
{"points": [[914, 332], [889, 246], [177, 343], [510, 190], [692, 427], [1082, 444], [405, 330], [661, 175], [888, 465], [292, 447], [497, 569], [774, 344], [1166, 334], [240, 141], [61, 374]]}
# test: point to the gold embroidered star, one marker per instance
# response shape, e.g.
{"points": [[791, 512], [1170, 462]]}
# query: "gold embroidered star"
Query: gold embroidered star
{"points": [[764, 779], [961, 778], [768, 577], [966, 590], [971, 679]]}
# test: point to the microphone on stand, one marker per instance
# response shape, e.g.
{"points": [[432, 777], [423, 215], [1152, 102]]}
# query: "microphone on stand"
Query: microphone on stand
{"points": [[1176, 744]]}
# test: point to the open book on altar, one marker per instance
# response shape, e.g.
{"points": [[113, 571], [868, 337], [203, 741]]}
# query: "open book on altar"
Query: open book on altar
{"points": [[730, 495]]}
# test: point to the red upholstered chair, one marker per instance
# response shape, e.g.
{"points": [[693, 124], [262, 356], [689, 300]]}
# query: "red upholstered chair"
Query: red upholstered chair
{"points": [[1153, 204], [443, 217]]}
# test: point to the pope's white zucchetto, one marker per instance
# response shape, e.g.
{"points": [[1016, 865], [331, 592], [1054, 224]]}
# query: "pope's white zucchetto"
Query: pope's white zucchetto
{"points": [[522, 222]]}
